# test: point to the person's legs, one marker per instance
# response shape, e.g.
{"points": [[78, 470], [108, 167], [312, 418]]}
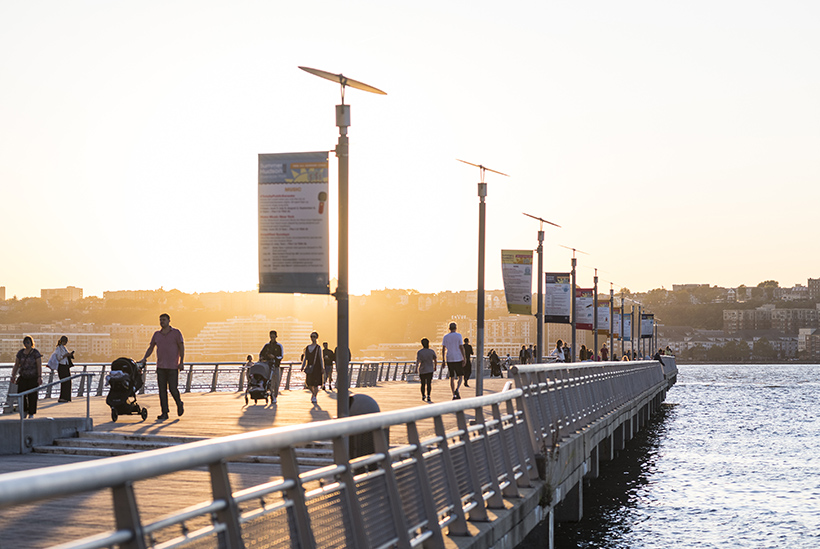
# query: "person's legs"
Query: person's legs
{"points": [[451, 374], [29, 401], [63, 371], [162, 386], [173, 387], [468, 369], [275, 381]]}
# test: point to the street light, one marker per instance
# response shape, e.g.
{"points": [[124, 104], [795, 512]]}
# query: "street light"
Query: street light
{"points": [[572, 319], [482, 194], [539, 347], [342, 296]]}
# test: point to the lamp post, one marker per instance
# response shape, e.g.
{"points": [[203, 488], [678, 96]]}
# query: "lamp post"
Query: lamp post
{"points": [[539, 323], [595, 316], [572, 302], [482, 215], [611, 321], [341, 294]]}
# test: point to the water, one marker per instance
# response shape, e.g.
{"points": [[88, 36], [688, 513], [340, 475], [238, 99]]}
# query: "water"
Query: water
{"points": [[731, 461]]}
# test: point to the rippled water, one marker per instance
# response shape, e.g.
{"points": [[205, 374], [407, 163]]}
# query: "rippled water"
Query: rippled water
{"points": [[731, 461]]}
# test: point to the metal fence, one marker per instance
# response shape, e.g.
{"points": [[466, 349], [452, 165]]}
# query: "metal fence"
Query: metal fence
{"points": [[403, 495], [215, 376]]}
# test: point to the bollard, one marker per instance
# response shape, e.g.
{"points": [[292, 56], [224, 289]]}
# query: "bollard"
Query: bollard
{"points": [[362, 445]]}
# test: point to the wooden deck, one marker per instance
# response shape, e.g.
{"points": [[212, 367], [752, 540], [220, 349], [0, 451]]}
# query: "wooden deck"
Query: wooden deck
{"points": [[206, 415]]}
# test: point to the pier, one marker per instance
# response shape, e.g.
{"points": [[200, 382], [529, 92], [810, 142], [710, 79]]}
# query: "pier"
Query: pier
{"points": [[476, 472]]}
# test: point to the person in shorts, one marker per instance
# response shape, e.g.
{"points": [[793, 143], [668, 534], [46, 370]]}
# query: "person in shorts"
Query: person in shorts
{"points": [[452, 352]]}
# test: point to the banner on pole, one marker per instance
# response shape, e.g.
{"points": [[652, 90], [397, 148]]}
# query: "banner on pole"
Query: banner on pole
{"points": [[293, 223], [647, 325], [627, 327], [516, 271], [616, 322], [603, 318], [584, 310], [558, 298]]}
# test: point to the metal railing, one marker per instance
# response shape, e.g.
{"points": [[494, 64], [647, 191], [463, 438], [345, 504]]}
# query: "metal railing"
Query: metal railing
{"points": [[221, 376], [20, 396], [561, 400], [373, 500]]}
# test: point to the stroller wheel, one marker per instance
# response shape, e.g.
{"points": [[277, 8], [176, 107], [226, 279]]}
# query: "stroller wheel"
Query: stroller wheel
{"points": [[246, 400], [144, 414], [114, 414], [266, 399]]}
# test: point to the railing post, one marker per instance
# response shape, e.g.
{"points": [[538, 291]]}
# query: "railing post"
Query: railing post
{"points": [[50, 379], [81, 390], [126, 515], [296, 494], [101, 383], [190, 378], [290, 372], [229, 516], [214, 378], [459, 525], [241, 385], [424, 479]]}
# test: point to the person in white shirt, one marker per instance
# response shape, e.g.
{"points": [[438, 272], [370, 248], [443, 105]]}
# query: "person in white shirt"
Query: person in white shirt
{"points": [[558, 352], [452, 352]]}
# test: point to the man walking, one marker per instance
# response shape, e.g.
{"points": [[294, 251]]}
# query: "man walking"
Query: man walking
{"points": [[272, 353], [170, 361], [452, 352], [329, 357], [468, 365]]}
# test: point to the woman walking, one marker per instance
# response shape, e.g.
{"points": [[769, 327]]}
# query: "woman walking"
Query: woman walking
{"points": [[313, 366], [27, 373], [426, 363], [64, 357]]}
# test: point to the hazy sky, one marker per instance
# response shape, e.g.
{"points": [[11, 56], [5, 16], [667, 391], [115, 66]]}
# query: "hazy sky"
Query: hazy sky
{"points": [[675, 142]]}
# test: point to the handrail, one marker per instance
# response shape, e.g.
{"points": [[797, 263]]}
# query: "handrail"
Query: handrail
{"points": [[61, 480], [21, 396]]}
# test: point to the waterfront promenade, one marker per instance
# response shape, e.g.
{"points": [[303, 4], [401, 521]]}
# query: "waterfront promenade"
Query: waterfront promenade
{"points": [[479, 472]]}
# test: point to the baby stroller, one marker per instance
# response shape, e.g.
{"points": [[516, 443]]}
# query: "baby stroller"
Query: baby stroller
{"points": [[258, 382], [125, 380]]}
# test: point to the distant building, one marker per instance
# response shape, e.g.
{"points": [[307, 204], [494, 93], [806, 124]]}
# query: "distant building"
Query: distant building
{"points": [[814, 289], [2, 293], [687, 287], [238, 337], [69, 293]]}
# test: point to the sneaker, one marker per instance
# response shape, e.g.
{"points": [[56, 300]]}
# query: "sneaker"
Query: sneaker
{"points": [[313, 400], [162, 417], [428, 399], [423, 398], [458, 395], [465, 384], [63, 400], [180, 408], [273, 400]]}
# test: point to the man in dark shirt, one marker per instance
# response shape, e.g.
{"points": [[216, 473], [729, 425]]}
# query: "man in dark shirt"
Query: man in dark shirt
{"points": [[468, 365], [329, 358], [272, 353]]}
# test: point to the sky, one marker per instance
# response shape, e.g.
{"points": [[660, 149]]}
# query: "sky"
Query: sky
{"points": [[674, 142]]}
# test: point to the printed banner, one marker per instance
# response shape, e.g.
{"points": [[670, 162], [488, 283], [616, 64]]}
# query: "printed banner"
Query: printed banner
{"points": [[627, 323], [647, 325], [584, 313], [516, 271], [293, 223], [603, 318], [558, 298], [616, 322]]}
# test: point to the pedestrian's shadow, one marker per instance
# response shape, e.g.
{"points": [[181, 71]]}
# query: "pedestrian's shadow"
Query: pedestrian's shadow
{"points": [[318, 414], [257, 416]]}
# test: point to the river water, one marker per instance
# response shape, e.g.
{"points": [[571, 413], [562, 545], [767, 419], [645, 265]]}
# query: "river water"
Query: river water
{"points": [[731, 461]]}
